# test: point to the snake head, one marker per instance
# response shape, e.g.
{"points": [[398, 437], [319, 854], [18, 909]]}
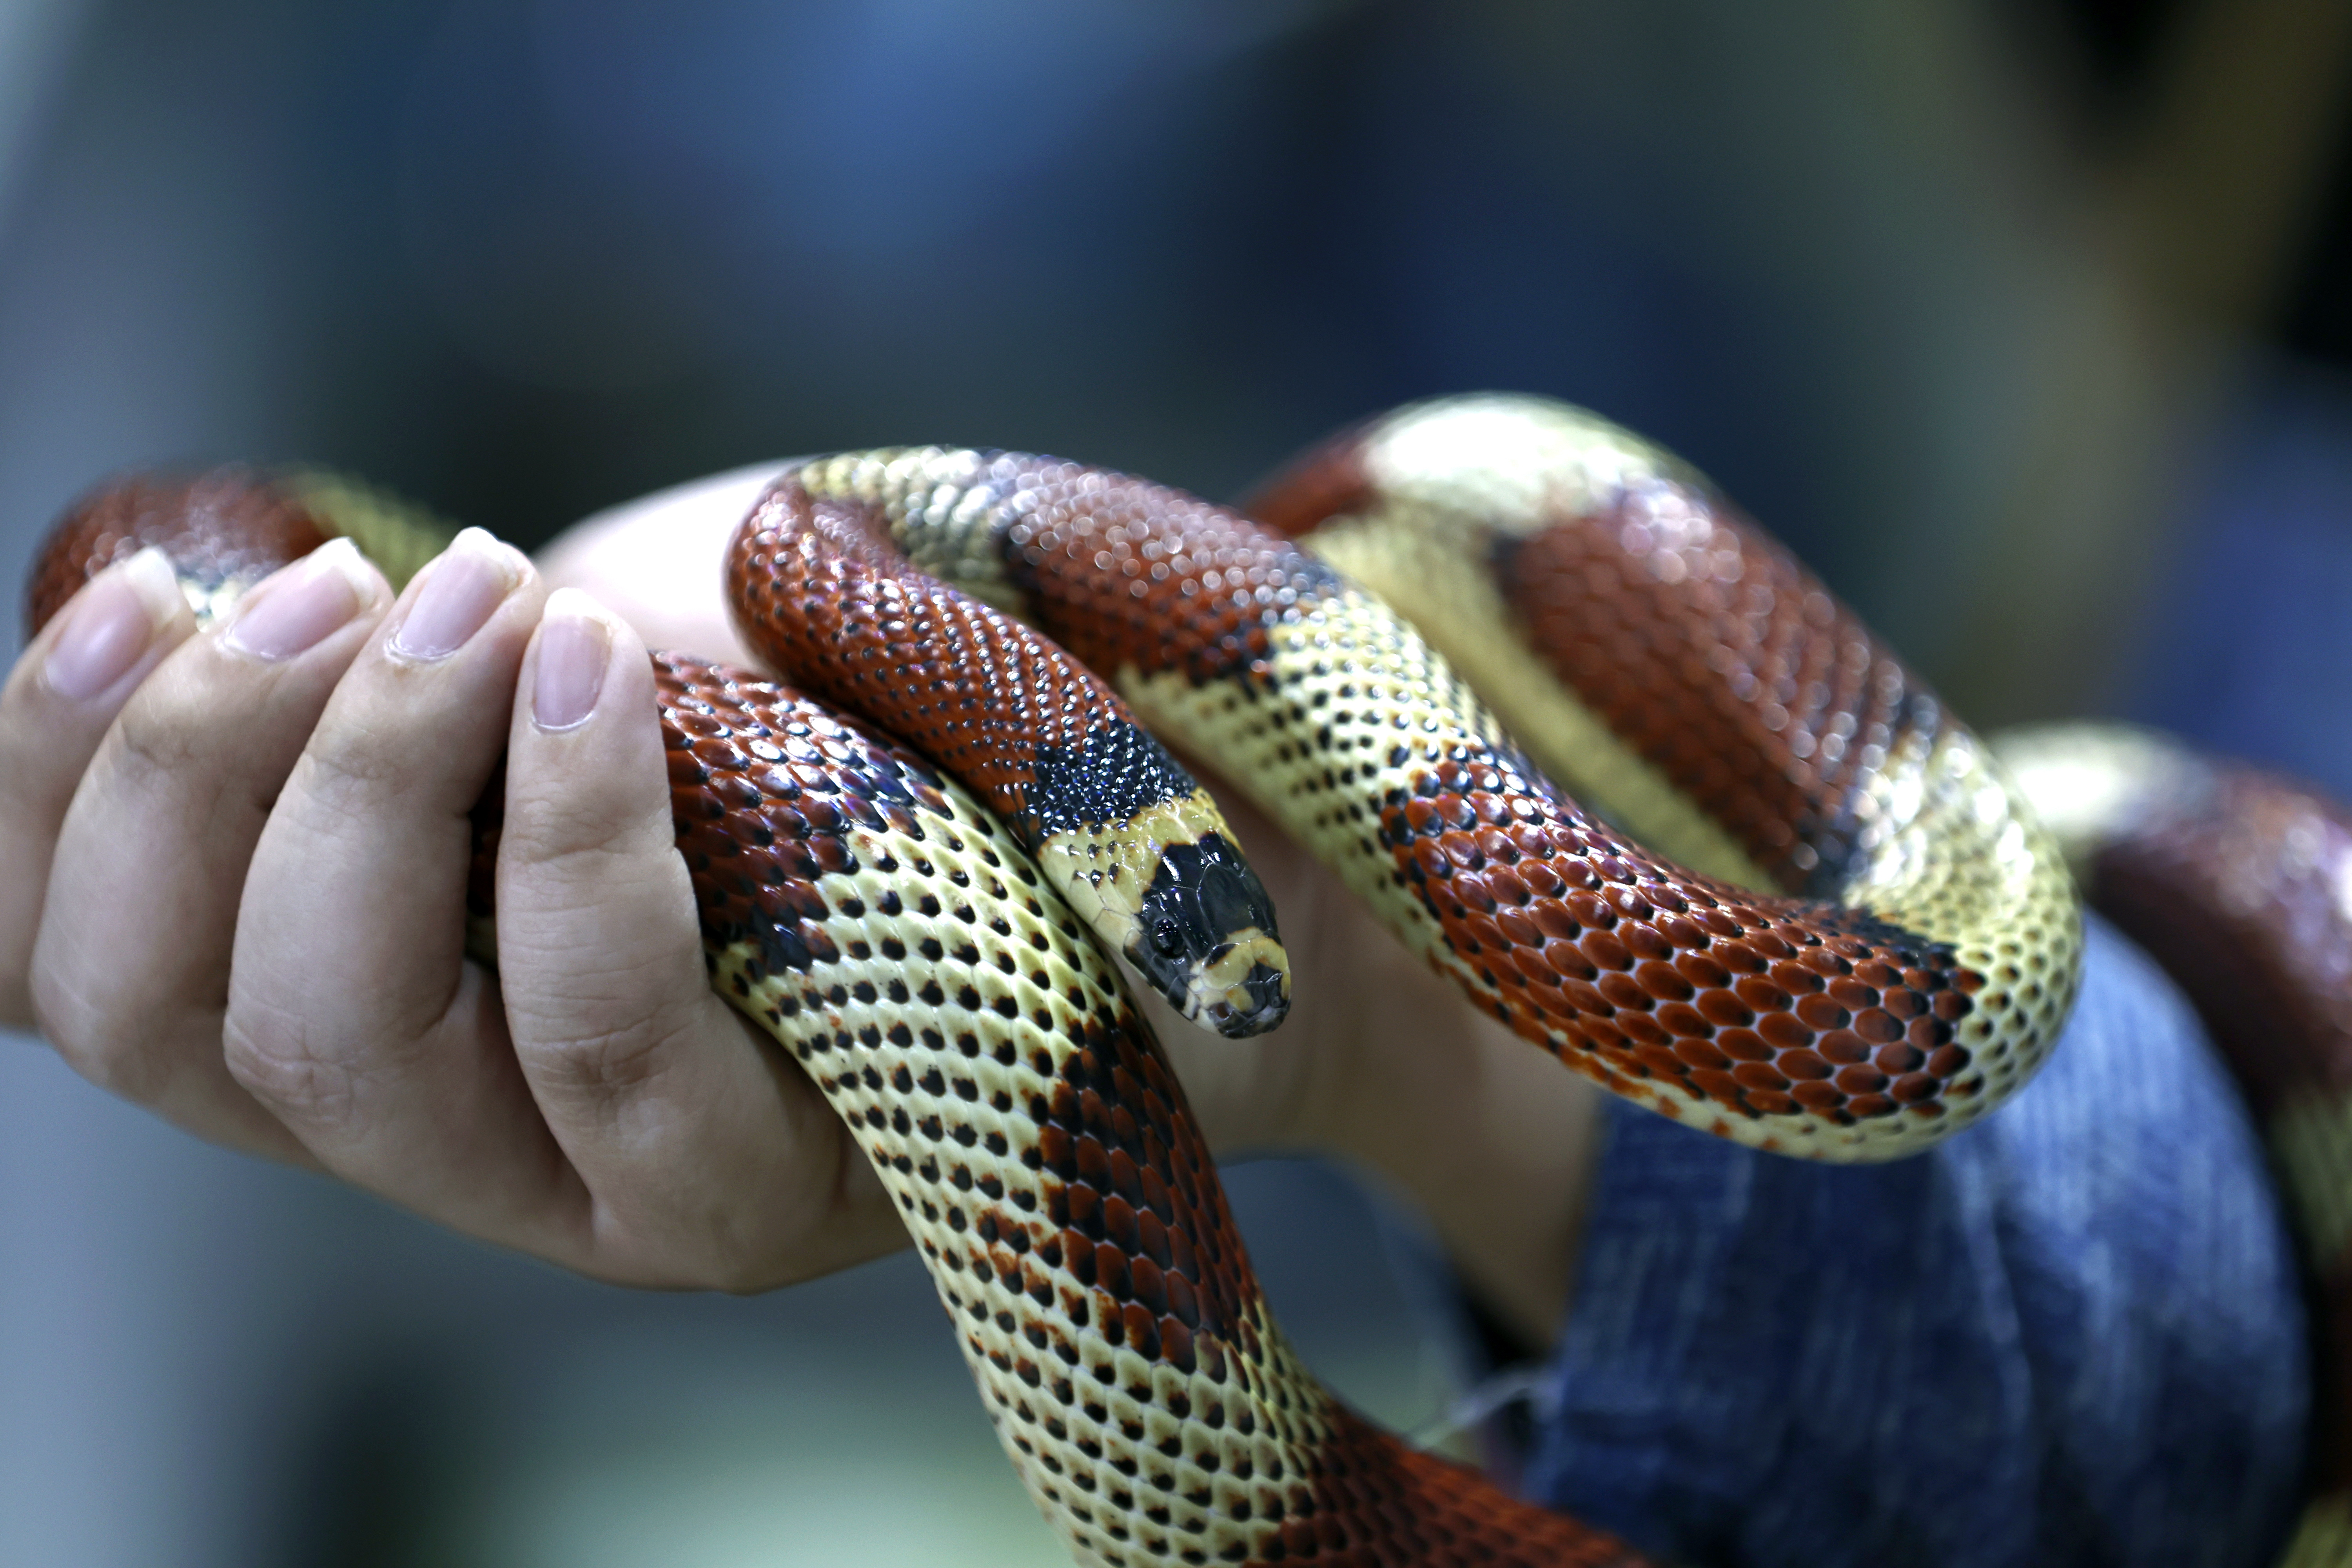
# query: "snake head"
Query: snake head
{"points": [[1206, 938], [1166, 890]]}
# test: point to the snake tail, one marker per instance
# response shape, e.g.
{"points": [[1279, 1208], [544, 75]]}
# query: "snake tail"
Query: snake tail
{"points": [[824, 587]]}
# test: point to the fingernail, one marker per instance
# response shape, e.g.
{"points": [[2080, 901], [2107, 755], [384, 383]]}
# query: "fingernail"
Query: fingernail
{"points": [[111, 625], [292, 611], [459, 591], [573, 648]]}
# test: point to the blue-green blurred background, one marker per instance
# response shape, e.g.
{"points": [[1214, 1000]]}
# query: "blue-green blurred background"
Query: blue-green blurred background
{"points": [[2024, 319]]}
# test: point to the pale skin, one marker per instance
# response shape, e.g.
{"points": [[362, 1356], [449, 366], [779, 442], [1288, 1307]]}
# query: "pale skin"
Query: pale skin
{"points": [[238, 863]]}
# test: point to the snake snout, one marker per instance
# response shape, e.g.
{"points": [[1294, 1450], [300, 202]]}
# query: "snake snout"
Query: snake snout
{"points": [[1267, 993]]}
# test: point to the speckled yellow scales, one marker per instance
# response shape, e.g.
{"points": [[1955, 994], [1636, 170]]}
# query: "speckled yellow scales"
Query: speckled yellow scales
{"points": [[946, 1111], [2001, 898], [822, 584]]}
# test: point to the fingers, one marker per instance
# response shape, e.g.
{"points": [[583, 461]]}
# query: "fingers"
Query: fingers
{"points": [[707, 1157], [130, 959], [352, 1014], [257, 845], [55, 710], [595, 1103]]}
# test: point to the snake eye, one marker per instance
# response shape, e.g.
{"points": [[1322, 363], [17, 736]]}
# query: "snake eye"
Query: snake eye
{"points": [[1169, 938]]}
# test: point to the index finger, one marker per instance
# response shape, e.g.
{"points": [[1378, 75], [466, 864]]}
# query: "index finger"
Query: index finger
{"points": [[60, 699]]}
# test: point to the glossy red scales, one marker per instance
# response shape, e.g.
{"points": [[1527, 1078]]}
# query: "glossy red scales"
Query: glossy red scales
{"points": [[1751, 661], [1416, 1508], [1138, 577], [886, 930], [2239, 882], [825, 598], [1769, 746], [900, 944], [1770, 1006], [764, 786]]}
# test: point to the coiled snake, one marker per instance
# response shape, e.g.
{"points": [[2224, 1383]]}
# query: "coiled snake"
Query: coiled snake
{"points": [[1819, 917]]}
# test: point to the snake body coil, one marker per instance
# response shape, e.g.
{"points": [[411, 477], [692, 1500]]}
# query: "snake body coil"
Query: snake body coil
{"points": [[1868, 942], [1918, 984], [1042, 1155]]}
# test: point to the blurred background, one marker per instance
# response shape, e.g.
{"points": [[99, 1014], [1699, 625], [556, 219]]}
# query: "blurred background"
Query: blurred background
{"points": [[2027, 321]]}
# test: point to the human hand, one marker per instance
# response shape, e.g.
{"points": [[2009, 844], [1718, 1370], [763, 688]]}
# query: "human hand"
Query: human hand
{"points": [[252, 924], [239, 862]]}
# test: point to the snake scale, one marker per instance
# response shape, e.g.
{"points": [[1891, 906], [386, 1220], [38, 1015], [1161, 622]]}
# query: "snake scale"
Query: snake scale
{"points": [[1711, 845]]}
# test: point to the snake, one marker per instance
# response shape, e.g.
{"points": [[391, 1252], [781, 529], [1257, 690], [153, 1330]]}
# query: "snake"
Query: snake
{"points": [[1588, 741]]}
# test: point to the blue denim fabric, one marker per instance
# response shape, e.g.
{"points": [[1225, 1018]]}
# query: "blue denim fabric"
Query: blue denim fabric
{"points": [[2071, 1335]]}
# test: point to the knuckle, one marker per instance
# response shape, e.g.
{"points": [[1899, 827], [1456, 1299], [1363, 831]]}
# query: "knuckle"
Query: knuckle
{"points": [[600, 940], [334, 791], [278, 1067], [599, 1054], [117, 1066], [172, 757], [158, 737], [112, 1044], [554, 833], [748, 1274], [678, 1264], [579, 829], [355, 763], [364, 759], [696, 1251], [555, 816], [17, 1007], [41, 764]]}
